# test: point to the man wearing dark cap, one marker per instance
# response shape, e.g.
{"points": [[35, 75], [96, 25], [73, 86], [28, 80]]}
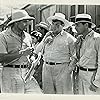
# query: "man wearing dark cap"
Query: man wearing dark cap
{"points": [[13, 55], [89, 55]]}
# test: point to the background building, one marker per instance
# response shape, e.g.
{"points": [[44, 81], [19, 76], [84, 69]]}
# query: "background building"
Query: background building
{"points": [[41, 12]]}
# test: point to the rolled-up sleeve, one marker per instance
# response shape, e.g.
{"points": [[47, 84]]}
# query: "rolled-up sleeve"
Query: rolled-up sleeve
{"points": [[97, 76], [39, 47], [3, 44], [72, 46]]}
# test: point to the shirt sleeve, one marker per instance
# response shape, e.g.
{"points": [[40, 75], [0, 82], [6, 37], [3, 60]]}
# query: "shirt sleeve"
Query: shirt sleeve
{"points": [[39, 47], [28, 39], [3, 44], [72, 46], [96, 82]]}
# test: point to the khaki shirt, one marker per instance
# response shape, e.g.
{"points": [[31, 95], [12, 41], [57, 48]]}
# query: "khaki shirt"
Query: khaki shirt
{"points": [[90, 53], [9, 43]]}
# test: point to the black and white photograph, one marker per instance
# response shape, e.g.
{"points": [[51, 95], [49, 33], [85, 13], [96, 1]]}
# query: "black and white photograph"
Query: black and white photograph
{"points": [[49, 48]]}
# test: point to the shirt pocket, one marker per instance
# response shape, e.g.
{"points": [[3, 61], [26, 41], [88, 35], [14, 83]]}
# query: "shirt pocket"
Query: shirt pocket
{"points": [[89, 53], [63, 47]]}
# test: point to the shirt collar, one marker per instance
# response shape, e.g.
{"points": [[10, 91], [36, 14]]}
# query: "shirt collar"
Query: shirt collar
{"points": [[90, 33], [61, 33]]}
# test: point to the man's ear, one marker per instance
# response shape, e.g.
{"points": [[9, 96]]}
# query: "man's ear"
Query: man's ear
{"points": [[63, 25], [86, 25]]}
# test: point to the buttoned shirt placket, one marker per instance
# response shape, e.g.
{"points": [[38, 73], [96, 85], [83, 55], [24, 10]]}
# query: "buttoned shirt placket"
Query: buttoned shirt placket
{"points": [[83, 48]]}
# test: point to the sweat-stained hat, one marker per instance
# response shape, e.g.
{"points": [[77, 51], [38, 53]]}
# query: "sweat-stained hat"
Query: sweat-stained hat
{"points": [[43, 25], [60, 17], [84, 18], [19, 15]]}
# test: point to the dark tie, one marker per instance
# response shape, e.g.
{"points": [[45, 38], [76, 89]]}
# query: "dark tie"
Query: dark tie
{"points": [[78, 46]]}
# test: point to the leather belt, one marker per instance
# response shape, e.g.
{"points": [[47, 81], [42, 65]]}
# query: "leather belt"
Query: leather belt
{"points": [[53, 63], [87, 69], [16, 66]]}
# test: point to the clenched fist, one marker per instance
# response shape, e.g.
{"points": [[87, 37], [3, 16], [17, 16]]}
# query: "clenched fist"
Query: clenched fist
{"points": [[27, 51]]}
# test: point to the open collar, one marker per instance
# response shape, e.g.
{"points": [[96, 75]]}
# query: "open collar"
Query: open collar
{"points": [[89, 34]]}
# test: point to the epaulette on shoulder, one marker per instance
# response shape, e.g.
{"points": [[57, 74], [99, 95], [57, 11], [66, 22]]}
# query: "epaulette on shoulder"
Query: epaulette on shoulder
{"points": [[96, 35]]}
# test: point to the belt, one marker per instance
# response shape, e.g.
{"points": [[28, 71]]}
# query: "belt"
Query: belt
{"points": [[16, 66], [87, 69], [53, 63]]}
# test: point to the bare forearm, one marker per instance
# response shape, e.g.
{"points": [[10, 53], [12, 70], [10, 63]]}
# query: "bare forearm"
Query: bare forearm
{"points": [[6, 58]]}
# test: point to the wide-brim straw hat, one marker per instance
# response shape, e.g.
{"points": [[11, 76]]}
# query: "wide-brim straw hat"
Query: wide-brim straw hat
{"points": [[43, 25], [60, 17], [84, 18], [19, 15]]}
